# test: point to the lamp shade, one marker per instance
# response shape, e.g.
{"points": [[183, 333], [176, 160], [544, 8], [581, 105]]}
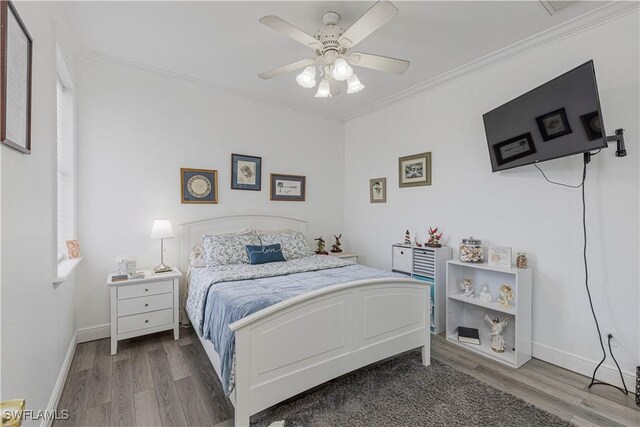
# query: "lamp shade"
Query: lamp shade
{"points": [[324, 90], [341, 70], [354, 84], [307, 78], [161, 229]]}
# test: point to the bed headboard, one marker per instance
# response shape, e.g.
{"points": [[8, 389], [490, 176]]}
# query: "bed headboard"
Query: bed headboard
{"points": [[191, 232]]}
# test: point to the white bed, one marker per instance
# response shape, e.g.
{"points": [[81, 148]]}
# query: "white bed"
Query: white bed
{"points": [[304, 341]]}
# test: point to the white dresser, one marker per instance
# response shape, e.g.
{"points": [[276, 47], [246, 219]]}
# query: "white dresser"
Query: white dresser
{"points": [[144, 306], [349, 256]]}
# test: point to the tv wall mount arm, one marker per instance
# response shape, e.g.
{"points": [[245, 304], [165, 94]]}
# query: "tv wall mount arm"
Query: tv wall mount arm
{"points": [[618, 138]]}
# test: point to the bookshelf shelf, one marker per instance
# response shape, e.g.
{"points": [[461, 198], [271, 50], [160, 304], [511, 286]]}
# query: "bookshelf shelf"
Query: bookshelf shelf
{"points": [[470, 312]]}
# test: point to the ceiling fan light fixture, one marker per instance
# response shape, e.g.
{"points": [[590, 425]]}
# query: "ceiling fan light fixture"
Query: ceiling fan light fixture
{"points": [[324, 91], [354, 84], [307, 78], [341, 70]]}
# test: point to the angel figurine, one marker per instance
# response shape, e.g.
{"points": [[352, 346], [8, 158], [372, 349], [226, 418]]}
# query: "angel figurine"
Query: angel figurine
{"points": [[467, 287], [485, 295], [497, 340], [506, 296]]}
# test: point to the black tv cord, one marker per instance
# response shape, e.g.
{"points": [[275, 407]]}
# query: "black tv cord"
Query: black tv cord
{"points": [[586, 279]]}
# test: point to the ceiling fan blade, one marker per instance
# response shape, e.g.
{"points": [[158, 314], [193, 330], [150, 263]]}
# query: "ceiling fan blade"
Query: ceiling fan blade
{"points": [[334, 87], [286, 69], [377, 62], [290, 31], [374, 18]]}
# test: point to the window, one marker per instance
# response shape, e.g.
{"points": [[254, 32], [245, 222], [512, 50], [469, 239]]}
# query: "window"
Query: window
{"points": [[66, 221]]}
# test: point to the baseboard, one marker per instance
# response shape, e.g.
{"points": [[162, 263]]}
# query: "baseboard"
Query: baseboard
{"points": [[93, 333], [62, 378], [582, 365]]}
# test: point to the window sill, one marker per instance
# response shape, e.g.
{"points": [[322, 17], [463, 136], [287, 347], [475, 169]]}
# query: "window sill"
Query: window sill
{"points": [[65, 268]]}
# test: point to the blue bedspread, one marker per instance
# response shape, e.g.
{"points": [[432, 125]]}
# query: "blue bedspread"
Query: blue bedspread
{"points": [[230, 301]]}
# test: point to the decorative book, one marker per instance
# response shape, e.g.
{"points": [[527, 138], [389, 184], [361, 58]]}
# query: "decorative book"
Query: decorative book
{"points": [[468, 335], [119, 277]]}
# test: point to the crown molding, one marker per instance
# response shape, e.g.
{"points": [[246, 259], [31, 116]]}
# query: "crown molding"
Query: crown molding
{"points": [[591, 19], [107, 61]]}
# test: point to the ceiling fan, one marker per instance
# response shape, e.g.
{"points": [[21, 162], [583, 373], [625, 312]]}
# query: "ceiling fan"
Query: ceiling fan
{"points": [[332, 55]]}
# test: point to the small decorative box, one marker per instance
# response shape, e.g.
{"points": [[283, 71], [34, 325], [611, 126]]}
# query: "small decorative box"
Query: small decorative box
{"points": [[127, 266]]}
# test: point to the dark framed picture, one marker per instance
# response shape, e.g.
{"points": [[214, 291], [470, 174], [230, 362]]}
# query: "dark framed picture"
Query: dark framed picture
{"points": [[16, 48], [288, 187], [553, 125], [378, 190], [514, 148], [198, 185], [592, 125], [246, 172], [415, 170]]}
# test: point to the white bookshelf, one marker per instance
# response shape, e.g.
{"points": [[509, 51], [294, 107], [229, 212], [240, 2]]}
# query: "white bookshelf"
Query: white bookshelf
{"points": [[469, 312]]}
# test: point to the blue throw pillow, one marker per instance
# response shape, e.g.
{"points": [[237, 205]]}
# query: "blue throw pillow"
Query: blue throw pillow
{"points": [[264, 254]]}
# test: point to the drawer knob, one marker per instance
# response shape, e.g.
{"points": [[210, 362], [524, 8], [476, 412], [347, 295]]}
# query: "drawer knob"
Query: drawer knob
{"points": [[146, 305], [146, 290], [401, 252], [146, 321]]}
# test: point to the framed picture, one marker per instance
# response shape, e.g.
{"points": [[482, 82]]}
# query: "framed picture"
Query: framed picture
{"points": [[15, 88], [553, 125], [592, 125], [415, 170], [500, 256], [378, 190], [288, 187], [246, 172], [514, 148], [198, 185]]}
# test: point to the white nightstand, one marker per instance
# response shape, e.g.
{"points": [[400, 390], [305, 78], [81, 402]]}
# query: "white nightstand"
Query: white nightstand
{"points": [[144, 306], [349, 256]]}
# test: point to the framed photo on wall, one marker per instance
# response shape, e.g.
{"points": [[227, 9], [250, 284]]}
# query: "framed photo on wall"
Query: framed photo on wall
{"points": [[246, 172], [16, 48], [514, 148], [288, 187], [415, 170], [198, 186], [553, 125], [378, 190]]}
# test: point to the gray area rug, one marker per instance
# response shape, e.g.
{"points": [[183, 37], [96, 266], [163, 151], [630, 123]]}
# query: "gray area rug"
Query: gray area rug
{"points": [[403, 392]]}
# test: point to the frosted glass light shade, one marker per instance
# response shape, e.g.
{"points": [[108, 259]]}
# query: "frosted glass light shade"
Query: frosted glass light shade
{"points": [[307, 78], [324, 90], [354, 84], [161, 229], [341, 70]]}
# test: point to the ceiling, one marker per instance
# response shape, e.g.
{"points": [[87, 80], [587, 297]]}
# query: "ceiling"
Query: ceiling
{"points": [[223, 43]]}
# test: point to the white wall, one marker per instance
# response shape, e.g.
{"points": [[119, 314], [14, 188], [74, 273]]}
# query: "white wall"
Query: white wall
{"points": [[38, 318], [518, 208], [137, 131]]}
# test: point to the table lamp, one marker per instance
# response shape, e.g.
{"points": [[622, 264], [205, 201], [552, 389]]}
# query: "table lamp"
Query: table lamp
{"points": [[162, 230]]}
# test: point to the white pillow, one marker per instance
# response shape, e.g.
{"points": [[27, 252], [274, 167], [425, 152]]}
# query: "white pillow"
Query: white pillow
{"points": [[225, 249], [294, 244]]}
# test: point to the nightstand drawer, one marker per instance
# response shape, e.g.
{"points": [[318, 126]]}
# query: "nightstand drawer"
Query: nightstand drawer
{"points": [[137, 322], [144, 289], [144, 304], [402, 259]]}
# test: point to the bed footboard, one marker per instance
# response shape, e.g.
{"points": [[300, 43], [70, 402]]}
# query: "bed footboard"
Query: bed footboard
{"points": [[304, 341]]}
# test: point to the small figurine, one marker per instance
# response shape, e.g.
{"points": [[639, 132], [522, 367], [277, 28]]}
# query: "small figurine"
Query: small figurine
{"points": [[321, 243], [434, 238], [407, 238], [497, 340], [467, 287], [506, 296], [485, 295], [335, 248], [415, 242]]}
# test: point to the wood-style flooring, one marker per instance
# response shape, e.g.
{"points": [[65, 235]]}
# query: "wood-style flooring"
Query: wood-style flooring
{"points": [[155, 381]]}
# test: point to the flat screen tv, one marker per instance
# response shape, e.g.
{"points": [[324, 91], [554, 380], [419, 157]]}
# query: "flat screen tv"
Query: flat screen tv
{"points": [[560, 118]]}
